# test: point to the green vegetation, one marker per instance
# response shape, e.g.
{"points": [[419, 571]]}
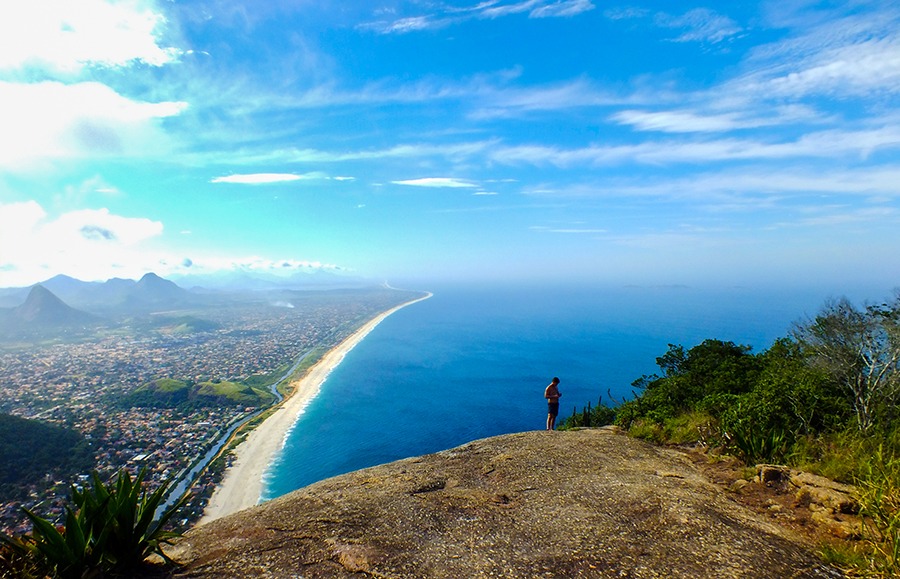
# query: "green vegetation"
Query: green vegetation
{"points": [[187, 325], [824, 399], [187, 395], [112, 530], [31, 450]]}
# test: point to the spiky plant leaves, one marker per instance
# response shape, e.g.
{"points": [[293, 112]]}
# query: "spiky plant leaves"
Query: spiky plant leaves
{"points": [[66, 553], [113, 529]]}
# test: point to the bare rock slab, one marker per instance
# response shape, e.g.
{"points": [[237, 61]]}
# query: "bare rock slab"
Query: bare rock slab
{"points": [[586, 503]]}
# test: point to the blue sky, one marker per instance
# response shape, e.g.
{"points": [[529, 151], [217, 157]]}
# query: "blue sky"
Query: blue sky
{"points": [[639, 142]]}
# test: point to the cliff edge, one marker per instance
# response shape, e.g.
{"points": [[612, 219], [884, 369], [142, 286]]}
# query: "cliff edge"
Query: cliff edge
{"points": [[586, 503]]}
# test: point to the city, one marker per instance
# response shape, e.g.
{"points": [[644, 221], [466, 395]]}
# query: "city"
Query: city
{"points": [[87, 385]]}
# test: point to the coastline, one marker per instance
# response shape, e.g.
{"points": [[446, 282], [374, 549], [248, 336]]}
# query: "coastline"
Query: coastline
{"points": [[242, 484]]}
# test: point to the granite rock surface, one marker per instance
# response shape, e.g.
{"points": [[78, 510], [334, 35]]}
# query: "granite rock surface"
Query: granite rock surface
{"points": [[585, 503]]}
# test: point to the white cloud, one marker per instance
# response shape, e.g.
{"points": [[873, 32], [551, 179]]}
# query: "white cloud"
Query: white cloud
{"points": [[265, 178], [449, 182], [65, 35], [258, 264], [48, 120], [98, 245], [88, 244]]}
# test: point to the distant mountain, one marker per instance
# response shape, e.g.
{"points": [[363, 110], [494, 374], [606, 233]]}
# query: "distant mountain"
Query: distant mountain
{"points": [[67, 287], [115, 295], [43, 314], [43, 308], [153, 290], [10, 297]]}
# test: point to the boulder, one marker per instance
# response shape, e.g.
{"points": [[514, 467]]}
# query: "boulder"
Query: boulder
{"points": [[814, 489]]}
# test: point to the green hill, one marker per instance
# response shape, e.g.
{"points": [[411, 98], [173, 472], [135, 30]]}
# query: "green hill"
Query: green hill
{"points": [[169, 393]]}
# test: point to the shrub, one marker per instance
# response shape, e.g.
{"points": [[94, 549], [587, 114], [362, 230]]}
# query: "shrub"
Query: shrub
{"points": [[752, 442], [600, 415], [879, 500], [112, 529]]}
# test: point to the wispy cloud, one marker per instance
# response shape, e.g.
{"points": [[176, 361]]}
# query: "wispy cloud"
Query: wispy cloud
{"points": [[739, 188], [489, 10], [679, 121], [697, 25], [440, 182], [562, 8], [833, 54], [451, 151], [483, 96], [830, 144], [700, 25], [855, 70], [266, 178]]}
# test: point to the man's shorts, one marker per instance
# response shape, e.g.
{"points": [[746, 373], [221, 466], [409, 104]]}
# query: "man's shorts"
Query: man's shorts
{"points": [[553, 408]]}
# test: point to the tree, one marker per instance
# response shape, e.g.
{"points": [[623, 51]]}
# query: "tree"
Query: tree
{"points": [[708, 371], [860, 349]]}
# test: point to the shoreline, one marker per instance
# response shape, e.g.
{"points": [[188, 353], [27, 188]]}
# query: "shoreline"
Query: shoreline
{"points": [[242, 484]]}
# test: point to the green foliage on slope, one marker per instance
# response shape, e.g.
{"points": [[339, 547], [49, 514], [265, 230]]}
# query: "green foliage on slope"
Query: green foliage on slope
{"points": [[31, 450], [838, 373]]}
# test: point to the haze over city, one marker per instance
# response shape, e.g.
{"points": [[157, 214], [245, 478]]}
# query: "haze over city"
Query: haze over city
{"points": [[633, 142]]}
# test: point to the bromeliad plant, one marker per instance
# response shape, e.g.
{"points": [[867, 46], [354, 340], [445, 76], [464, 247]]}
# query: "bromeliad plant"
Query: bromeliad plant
{"points": [[112, 529]]}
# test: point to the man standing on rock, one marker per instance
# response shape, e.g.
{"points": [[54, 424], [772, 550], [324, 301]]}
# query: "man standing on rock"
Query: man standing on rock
{"points": [[552, 394]]}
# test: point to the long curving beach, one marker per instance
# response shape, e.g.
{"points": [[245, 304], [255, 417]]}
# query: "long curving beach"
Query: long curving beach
{"points": [[241, 487]]}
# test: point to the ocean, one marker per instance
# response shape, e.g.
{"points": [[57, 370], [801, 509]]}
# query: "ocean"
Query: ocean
{"points": [[473, 362]]}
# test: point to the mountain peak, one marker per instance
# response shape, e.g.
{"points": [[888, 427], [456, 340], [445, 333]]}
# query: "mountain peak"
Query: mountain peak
{"points": [[154, 290], [42, 307]]}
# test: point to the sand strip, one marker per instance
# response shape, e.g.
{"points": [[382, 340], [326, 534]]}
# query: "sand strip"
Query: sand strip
{"points": [[241, 487]]}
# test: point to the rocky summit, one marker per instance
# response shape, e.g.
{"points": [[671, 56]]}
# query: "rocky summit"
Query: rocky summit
{"points": [[585, 503]]}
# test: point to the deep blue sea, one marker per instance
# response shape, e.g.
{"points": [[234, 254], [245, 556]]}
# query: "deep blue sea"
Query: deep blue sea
{"points": [[473, 362]]}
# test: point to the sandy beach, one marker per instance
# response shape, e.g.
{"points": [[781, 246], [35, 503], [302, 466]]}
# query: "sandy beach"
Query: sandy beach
{"points": [[241, 486]]}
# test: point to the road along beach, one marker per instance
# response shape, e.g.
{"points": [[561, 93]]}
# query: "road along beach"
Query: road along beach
{"points": [[241, 485]]}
